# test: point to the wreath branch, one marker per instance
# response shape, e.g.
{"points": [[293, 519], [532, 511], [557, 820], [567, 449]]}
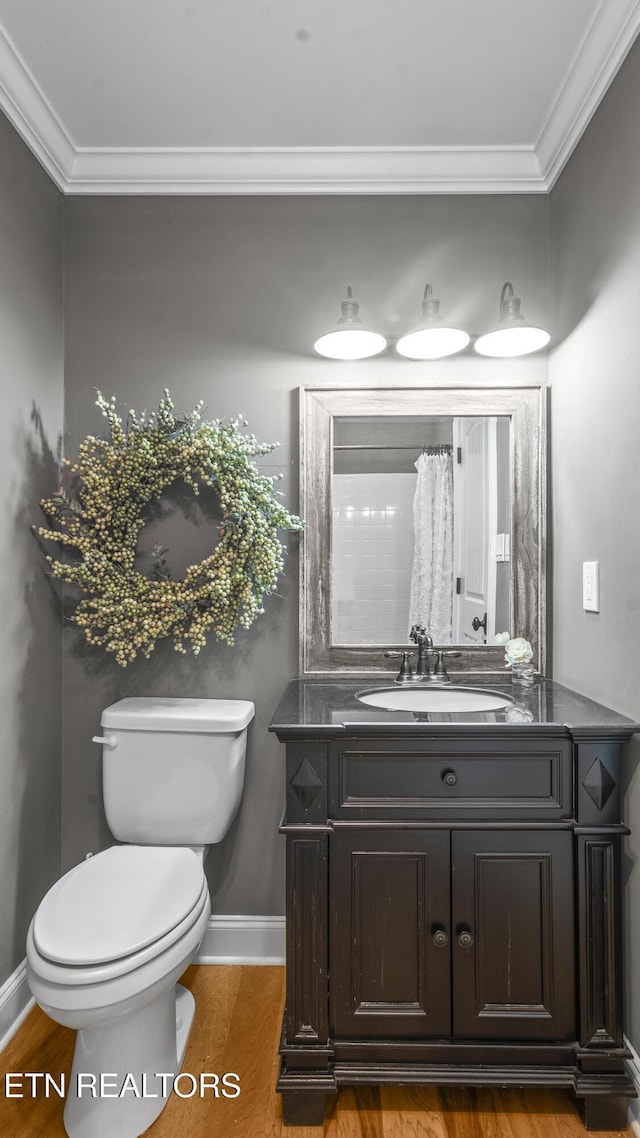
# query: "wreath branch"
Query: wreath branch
{"points": [[114, 479]]}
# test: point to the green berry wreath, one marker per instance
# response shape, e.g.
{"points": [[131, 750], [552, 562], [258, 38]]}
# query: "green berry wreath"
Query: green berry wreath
{"points": [[99, 520]]}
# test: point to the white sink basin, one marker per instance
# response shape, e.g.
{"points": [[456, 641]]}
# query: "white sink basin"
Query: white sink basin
{"points": [[435, 699]]}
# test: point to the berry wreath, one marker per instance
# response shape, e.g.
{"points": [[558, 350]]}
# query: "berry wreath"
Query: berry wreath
{"points": [[99, 521]]}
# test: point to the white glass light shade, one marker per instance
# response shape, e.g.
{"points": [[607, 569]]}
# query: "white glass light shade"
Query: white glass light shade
{"points": [[512, 341], [350, 340], [513, 337], [432, 343], [350, 344], [430, 340]]}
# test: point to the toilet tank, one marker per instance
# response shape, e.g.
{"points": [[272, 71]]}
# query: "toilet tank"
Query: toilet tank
{"points": [[173, 769]]}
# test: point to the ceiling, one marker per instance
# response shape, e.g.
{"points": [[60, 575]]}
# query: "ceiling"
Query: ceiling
{"points": [[307, 96]]}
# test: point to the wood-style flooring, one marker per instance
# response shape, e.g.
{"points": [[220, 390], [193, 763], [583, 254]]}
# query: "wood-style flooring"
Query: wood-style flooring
{"points": [[237, 1028]]}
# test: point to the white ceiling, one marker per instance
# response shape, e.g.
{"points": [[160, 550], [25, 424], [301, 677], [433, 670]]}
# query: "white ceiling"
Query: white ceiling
{"points": [[307, 96]]}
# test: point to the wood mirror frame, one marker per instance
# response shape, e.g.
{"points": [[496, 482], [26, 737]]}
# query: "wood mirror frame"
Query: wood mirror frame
{"points": [[526, 406]]}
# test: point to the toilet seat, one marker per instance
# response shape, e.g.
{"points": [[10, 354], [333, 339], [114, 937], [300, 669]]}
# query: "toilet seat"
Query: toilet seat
{"points": [[116, 911], [75, 977], [116, 903], [77, 996]]}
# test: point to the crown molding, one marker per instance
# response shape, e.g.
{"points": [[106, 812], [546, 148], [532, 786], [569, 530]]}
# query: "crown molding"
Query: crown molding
{"points": [[28, 109], [306, 170], [604, 45], [327, 170]]}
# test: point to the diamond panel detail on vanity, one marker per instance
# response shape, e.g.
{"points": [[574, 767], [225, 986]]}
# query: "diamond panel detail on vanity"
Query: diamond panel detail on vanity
{"points": [[306, 784], [598, 784], [461, 874]]}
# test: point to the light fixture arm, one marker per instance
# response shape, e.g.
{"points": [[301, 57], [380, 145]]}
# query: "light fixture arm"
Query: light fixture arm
{"points": [[350, 310], [509, 304], [430, 305]]}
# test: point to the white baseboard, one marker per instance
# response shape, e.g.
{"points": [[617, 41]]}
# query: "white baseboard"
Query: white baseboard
{"points": [[243, 940], [633, 1065], [228, 940], [16, 1002]]}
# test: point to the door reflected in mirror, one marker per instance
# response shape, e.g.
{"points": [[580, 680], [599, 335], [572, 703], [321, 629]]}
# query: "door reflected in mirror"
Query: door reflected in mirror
{"points": [[420, 528]]}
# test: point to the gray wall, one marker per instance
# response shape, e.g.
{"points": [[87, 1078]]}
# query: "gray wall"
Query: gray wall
{"points": [[595, 412], [222, 298], [31, 386]]}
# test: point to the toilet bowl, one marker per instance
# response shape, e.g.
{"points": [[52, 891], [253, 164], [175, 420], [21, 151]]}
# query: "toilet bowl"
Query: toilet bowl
{"points": [[111, 938], [112, 928], [104, 952]]}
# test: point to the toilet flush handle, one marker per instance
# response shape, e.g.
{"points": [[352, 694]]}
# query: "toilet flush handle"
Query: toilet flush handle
{"points": [[106, 740]]}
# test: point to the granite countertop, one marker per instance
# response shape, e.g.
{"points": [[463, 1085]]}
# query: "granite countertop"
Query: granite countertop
{"points": [[328, 706]]}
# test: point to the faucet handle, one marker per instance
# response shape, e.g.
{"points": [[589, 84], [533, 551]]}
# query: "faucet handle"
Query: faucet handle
{"points": [[440, 671], [405, 674]]}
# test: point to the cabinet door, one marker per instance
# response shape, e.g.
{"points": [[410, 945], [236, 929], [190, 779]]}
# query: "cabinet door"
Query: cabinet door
{"points": [[512, 933], [389, 938]]}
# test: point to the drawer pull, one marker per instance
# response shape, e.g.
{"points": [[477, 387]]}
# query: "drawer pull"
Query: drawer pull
{"points": [[440, 938], [449, 778], [465, 940]]}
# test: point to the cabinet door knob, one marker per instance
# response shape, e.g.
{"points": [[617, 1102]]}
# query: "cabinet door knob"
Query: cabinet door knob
{"points": [[465, 940], [449, 778], [440, 938]]}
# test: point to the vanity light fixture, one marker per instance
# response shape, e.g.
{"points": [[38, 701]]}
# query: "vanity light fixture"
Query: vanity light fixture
{"points": [[431, 340], [349, 339], [513, 336]]}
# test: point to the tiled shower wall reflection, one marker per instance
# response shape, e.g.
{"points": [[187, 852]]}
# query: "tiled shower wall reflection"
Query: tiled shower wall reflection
{"points": [[372, 557]]}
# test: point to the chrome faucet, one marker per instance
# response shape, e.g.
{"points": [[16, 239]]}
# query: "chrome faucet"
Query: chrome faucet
{"points": [[405, 675], [424, 640]]}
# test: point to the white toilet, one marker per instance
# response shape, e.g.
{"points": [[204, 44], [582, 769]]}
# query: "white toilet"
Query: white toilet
{"points": [[110, 939]]}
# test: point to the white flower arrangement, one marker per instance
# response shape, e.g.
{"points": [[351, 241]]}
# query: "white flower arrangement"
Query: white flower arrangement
{"points": [[99, 517], [516, 650]]}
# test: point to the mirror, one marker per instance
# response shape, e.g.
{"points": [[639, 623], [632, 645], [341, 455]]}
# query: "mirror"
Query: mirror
{"points": [[423, 505], [420, 515]]}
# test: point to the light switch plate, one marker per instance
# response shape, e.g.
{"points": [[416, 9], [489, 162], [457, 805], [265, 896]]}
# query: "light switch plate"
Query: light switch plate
{"points": [[591, 586]]}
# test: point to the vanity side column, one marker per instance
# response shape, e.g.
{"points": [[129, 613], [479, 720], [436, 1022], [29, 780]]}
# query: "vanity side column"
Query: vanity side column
{"points": [[603, 1086], [306, 1068]]}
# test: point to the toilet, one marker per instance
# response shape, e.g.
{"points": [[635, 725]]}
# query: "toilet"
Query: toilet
{"points": [[111, 938]]}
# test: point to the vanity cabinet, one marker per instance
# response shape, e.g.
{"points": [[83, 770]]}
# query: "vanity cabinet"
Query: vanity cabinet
{"points": [[453, 910], [465, 934]]}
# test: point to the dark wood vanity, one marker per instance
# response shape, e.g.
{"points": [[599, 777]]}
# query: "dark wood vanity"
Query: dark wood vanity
{"points": [[453, 897]]}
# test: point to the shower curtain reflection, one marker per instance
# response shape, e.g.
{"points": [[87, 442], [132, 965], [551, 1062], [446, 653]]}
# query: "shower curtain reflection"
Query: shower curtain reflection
{"points": [[431, 596]]}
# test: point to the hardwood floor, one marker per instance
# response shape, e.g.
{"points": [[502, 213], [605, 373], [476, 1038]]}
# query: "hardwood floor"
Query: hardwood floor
{"points": [[237, 1028]]}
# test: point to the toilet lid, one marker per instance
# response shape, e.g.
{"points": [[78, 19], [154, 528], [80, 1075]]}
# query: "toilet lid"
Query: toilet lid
{"points": [[117, 903]]}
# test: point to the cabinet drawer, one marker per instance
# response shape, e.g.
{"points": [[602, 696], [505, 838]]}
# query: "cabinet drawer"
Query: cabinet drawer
{"points": [[402, 779]]}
